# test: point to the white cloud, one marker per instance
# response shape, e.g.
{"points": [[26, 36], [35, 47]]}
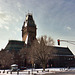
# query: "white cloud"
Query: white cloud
{"points": [[6, 27], [18, 4], [0, 26], [4, 18], [68, 28], [17, 29]]}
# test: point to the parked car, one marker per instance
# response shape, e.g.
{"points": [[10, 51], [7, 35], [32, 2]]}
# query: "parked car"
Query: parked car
{"points": [[22, 68], [14, 67]]}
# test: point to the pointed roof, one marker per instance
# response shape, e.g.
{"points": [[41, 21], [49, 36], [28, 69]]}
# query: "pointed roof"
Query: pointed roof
{"points": [[15, 45], [29, 20]]}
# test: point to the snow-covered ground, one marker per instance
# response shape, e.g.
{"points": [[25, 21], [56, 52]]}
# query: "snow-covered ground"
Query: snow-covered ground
{"points": [[36, 71]]}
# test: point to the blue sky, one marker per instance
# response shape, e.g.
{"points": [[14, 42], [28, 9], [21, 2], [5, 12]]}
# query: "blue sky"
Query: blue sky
{"points": [[55, 18]]}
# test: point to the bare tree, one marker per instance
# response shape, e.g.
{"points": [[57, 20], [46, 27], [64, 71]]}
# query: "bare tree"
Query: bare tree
{"points": [[24, 55], [42, 50], [6, 59]]}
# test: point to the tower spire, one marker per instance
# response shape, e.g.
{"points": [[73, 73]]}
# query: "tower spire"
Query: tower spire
{"points": [[28, 29]]}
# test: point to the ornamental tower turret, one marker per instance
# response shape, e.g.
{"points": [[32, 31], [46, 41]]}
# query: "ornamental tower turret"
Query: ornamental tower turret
{"points": [[29, 29]]}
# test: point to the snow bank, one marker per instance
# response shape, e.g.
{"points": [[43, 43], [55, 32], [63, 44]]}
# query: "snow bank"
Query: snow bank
{"points": [[35, 71]]}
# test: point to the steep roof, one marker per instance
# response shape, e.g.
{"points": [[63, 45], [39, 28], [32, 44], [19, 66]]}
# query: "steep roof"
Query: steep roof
{"points": [[29, 21], [63, 51], [15, 45]]}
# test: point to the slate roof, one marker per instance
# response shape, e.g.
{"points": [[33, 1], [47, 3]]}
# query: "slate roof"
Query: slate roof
{"points": [[15, 45], [62, 51], [29, 20]]}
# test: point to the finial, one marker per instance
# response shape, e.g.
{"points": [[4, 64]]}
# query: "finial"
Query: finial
{"points": [[29, 12]]}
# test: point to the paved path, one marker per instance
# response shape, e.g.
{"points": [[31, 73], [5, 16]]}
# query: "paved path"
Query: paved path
{"points": [[63, 73], [72, 72]]}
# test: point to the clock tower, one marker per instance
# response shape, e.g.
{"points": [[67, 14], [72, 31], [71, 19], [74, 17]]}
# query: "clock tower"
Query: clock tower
{"points": [[28, 29]]}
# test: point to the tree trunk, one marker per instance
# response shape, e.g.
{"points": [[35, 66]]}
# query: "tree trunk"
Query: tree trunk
{"points": [[43, 66]]}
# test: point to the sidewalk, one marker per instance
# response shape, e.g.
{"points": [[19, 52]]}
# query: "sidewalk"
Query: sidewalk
{"points": [[36, 71]]}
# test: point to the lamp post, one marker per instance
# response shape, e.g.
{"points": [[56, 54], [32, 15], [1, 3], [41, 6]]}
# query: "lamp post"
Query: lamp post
{"points": [[32, 65], [24, 59]]}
